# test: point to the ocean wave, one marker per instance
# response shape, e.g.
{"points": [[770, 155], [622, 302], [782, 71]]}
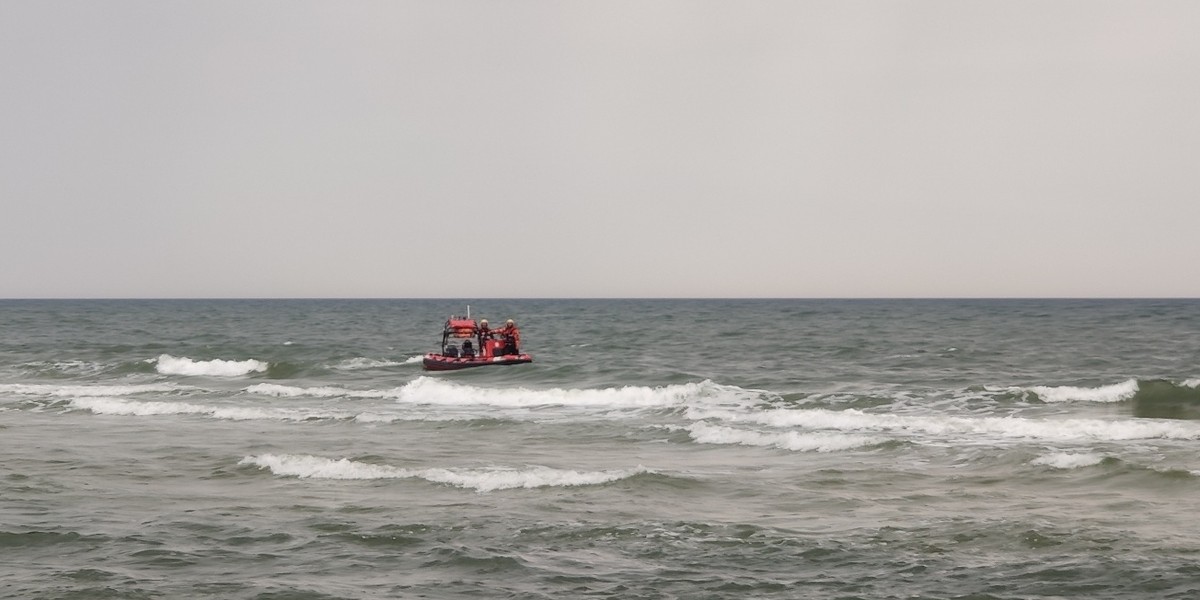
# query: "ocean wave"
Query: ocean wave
{"points": [[65, 367], [117, 406], [170, 365], [428, 390], [432, 391], [1161, 399], [481, 480], [796, 441], [856, 421], [324, 391], [46, 389], [437, 417], [1150, 398], [1117, 392], [361, 363], [1069, 460], [133, 408]]}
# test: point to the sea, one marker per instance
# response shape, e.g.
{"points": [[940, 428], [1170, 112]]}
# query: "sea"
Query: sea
{"points": [[709, 449]]}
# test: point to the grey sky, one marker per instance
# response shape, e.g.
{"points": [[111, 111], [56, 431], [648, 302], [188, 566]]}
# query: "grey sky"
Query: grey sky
{"points": [[600, 149]]}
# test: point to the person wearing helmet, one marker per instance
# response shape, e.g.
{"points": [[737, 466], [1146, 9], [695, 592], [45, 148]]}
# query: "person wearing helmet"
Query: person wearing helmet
{"points": [[484, 334], [511, 336]]}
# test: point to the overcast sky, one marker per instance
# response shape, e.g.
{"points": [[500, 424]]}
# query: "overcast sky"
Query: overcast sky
{"points": [[599, 148]]}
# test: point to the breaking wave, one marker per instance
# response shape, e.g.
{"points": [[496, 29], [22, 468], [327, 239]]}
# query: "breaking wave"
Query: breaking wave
{"points": [[166, 364], [361, 363], [431, 391], [117, 406], [135, 408], [788, 440], [1004, 428], [65, 367], [1117, 392], [1069, 460], [46, 389], [481, 480], [325, 391], [427, 390]]}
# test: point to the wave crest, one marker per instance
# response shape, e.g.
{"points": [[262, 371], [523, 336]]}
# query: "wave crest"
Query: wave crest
{"points": [[46, 389], [481, 480], [361, 362], [998, 428], [132, 408], [435, 392], [1117, 392], [166, 364], [795, 441], [428, 390], [1069, 460]]}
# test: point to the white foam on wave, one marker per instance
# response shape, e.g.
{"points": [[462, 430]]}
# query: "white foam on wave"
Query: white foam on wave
{"points": [[431, 391], [428, 390], [325, 391], [69, 367], [1069, 460], [409, 416], [857, 421], [1192, 383], [117, 406], [1117, 392], [361, 362], [106, 400], [482, 480], [45, 389], [171, 365], [796, 441]]}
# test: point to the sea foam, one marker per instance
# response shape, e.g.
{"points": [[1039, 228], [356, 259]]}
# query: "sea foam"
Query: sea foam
{"points": [[787, 440], [428, 390], [482, 480], [1068, 460], [117, 406], [362, 362], [171, 365], [46, 389], [432, 391], [1117, 392], [69, 367], [291, 391], [973, 428]]}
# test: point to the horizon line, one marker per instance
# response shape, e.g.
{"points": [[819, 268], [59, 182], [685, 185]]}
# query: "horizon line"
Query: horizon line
{"points": [[521, 298]]}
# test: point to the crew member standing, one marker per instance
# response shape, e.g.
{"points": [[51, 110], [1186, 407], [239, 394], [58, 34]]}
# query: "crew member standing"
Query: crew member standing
{"points": [[484, 334], [511, 336]]}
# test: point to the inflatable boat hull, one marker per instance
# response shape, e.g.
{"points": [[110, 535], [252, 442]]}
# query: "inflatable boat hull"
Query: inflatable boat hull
{"points": [[441, 362]]}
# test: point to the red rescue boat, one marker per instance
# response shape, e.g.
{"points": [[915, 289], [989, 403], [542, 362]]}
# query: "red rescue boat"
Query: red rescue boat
{"points": [[466, 344]]}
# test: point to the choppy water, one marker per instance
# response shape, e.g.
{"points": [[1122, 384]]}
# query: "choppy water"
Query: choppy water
{"points": [[655, 449]]}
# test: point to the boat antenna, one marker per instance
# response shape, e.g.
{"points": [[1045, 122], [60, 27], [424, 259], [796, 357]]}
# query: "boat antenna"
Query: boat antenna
{"points": [[468, 311]]}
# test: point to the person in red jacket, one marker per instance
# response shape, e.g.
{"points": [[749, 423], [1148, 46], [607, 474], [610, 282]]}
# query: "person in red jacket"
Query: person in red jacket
{"points": [[511, 336]]}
